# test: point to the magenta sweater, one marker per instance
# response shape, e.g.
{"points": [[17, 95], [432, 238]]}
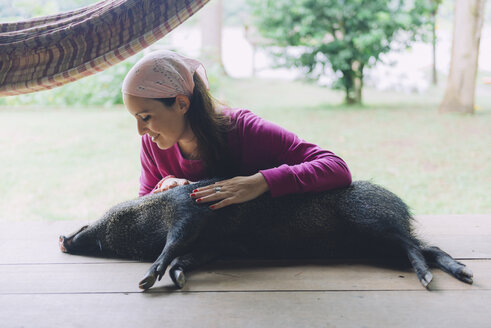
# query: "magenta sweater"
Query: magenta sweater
{"points": [[289, 164]]}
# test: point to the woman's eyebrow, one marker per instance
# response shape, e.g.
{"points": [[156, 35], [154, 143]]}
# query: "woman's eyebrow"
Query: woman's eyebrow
{"points": [[145, 111]]}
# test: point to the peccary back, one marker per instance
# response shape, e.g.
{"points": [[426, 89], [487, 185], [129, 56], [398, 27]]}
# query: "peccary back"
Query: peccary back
{"points": [[344, 222]]}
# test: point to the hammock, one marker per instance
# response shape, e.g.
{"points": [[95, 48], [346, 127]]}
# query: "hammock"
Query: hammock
{"points": [[47, 52]]}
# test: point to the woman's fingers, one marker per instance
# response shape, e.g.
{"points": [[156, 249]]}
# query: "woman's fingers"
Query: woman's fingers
{"points": [[209, 194], [168, 183], [222, 199], [204, 193], [167, 186], [208, 190], [232, 191], [209, 197], [223, 203], [214, 196], [211, 187]]}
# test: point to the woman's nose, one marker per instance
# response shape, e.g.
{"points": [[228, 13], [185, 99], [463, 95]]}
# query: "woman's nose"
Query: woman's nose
{"points": [[142, 130]]}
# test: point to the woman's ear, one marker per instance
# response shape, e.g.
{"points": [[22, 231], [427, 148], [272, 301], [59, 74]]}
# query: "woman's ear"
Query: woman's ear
{"points": [[183, 103]]}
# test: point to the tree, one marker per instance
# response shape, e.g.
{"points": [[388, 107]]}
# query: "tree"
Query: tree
{"points": [[344, 35], [461, 82], [211, 33], [434, 10]]}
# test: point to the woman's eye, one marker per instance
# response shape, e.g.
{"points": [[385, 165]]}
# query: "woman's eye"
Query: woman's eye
{"points": [[145, 118]]}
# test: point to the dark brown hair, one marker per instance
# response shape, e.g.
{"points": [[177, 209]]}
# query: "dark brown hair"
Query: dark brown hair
{"points": [[210, 126]]}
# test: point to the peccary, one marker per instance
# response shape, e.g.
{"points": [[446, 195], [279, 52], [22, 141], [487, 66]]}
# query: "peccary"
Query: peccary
{"points": [[169, 228]]}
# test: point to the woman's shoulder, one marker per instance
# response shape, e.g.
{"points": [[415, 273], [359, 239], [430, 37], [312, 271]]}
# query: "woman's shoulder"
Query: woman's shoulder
{"points": [[237, 113], [242, 118], [248, 125]]}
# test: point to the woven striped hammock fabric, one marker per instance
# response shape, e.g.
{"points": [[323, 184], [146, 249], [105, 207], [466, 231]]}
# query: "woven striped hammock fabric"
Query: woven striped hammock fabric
{"points": [[48, 52]]}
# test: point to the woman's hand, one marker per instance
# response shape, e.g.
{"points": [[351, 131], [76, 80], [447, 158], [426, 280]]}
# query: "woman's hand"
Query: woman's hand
{"points": [[231, 191], [169, 182]]}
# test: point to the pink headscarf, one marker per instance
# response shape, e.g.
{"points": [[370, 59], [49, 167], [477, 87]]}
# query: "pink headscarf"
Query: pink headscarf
{"points": [[163, 74]]}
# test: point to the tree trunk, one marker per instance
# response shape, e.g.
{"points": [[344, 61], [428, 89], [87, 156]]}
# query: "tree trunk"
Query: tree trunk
{"points": [[354, 83], [433, 47], [461, 83], [211, 33], [353, 95], [348, 99], [359, 84]]}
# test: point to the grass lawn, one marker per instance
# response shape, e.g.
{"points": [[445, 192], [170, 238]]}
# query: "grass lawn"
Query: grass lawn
{"points": [[74, 163]]}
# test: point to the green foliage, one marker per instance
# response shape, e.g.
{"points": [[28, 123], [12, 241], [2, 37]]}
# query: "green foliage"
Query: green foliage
{"points": [[343, 35], [234, 12]]}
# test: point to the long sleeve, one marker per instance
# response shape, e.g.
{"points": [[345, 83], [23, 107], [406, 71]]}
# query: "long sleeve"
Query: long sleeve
{"points": [[150, 175], [288, 163]]}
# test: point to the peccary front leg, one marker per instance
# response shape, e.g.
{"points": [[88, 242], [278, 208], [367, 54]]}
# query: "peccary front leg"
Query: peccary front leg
{"points": [[179, 240], [201, 255], [171, 250]]}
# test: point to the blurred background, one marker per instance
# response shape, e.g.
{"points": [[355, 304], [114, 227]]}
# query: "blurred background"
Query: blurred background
{"points": [[72, 152]]}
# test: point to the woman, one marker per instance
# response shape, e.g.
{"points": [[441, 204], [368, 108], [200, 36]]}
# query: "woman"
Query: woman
{"points": [[187, 137]]}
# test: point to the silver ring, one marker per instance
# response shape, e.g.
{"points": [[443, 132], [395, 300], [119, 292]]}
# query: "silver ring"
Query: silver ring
{"points": [[217, 189]]}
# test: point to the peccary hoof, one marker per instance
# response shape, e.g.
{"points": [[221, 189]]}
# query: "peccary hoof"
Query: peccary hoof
{"points": [[465, 275], [148, 281], [427, 279], [177, 276]]}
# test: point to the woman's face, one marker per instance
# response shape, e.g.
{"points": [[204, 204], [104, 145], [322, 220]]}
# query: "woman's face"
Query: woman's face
{"points": [[165, 125]]}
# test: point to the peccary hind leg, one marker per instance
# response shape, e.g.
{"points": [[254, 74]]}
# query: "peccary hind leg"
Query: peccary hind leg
{"points": [[448, 264], [434, 255], [418, 262]]}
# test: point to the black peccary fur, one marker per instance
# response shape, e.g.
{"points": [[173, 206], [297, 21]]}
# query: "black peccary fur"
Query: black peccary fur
{"points": [[170, 228]]}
